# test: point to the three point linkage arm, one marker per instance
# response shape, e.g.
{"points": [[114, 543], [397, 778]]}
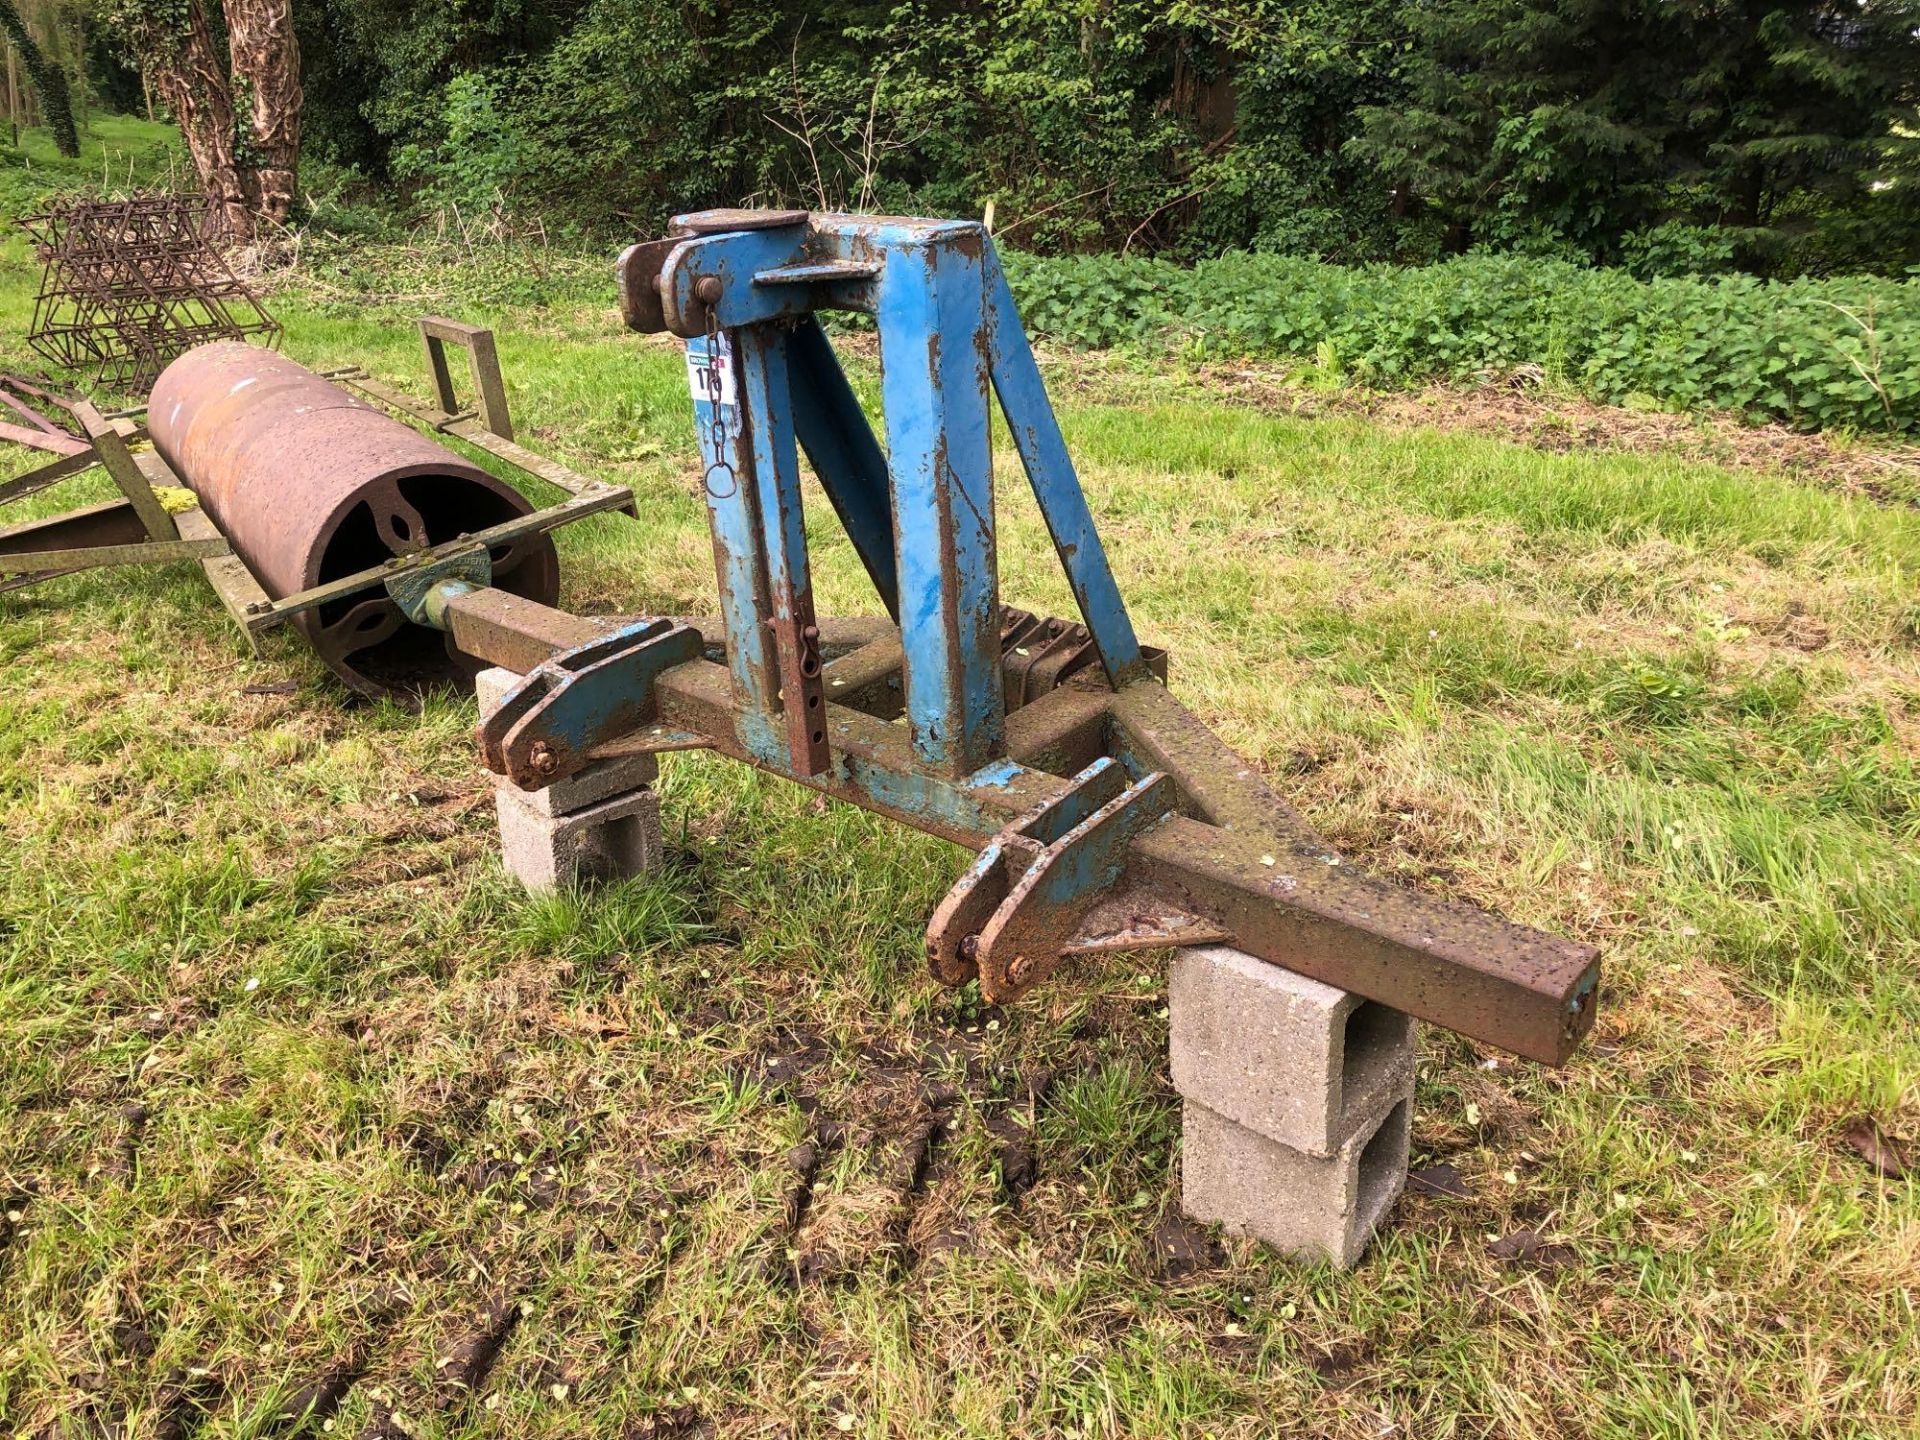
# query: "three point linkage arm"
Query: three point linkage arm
{"points": [[1103, 815]]}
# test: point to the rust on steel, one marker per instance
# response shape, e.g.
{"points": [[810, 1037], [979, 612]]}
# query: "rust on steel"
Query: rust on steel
{"points": [[310, 484], [130, 283], [94, 527], [1272, 887], [37, 431]]}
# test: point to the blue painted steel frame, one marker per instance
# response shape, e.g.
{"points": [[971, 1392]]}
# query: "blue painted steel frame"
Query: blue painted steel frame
{"points": [[733, 514], [1192, 849], [774, 471], [921, 516], [1056, 486], [833, 430], [930, 307]]}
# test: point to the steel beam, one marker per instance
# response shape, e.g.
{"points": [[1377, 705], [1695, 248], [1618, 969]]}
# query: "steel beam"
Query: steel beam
{"points": [[1056, 487], [739, 544], [1300, 907], [931, 312], [1003, 717], [846, 457], [774, 460]]}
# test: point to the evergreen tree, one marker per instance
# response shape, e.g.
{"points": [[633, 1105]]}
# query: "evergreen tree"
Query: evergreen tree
{"points": [[49, 81], [1577, 122]]}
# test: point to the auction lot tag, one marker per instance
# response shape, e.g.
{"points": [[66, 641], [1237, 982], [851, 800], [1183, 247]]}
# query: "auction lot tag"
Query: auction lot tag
{"points": [[712, 372]]}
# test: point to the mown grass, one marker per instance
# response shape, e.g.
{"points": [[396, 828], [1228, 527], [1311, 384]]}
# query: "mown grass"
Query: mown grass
{"points": [[292, 1078]]}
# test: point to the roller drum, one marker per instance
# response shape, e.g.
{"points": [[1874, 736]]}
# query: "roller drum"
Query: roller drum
{"points": [[310, 484]]}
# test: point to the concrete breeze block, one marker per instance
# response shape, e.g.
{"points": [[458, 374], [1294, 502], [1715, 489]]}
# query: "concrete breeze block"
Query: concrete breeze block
{"points": [[613, 840], [1286, 1057], [1309, 1206], [597, 782]]}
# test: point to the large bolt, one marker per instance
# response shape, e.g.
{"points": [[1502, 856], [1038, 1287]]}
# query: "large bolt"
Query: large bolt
{"points": [[707, 289], [541, 758]]}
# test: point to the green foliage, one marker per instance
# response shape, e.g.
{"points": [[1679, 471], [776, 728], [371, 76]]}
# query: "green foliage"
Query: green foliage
{"points": [[481, 154], [1294, 75], [1054, 114], [1674, 140], [1099, 300], [125, 152], [1085, 126], [1841, 352], [1651, 692], [619, 155], [48, 80], [1579, 122], [1676, 248]]}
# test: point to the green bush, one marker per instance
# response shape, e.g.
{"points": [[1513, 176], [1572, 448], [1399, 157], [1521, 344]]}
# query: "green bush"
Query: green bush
{"points": [[480, 155], [1815, 353]]}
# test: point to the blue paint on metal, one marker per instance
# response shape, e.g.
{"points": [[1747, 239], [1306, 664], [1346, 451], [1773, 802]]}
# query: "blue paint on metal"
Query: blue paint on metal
{"points": [[844, 453], [733, 259], [1087, 859], [948, 335], [583, 698], [738, 562], [1097, 785], [914, 793], [991, 857], [995, 776], [775, 463], [921, 515], [761, 351], [1043, 451], [933, 352]]}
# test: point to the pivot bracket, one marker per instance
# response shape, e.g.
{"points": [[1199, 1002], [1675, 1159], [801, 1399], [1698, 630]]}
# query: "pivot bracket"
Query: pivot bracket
{"points": [[549, 724]]}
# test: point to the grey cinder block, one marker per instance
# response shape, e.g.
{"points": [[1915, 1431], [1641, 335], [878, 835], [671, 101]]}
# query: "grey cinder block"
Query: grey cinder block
{"points": [[613, 840], [1286, 1057], [592, 785], [1311, 1207]]}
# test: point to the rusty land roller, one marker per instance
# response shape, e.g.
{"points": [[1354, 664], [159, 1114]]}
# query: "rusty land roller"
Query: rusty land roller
{"points": [[310, 484]]}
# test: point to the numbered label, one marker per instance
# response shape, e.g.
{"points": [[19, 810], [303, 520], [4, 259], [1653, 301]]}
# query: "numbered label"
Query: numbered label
{"points": [[710, 377]]}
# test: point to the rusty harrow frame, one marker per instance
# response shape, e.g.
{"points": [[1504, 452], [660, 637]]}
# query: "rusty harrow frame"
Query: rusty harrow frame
{"points": [[129, 284]]}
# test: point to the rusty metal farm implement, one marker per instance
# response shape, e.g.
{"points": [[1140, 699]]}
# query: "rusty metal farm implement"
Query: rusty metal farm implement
{"points": [[306, 500], [1102, 814]]}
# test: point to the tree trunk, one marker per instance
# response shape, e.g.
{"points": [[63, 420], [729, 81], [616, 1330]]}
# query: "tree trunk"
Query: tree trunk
{"points": [[266, 89], [48, 80], [191, 76], [248, 169], [1748, 186]]}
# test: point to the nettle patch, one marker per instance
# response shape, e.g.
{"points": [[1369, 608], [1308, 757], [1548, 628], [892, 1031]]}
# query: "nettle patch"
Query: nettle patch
{"points": [[1840, 353]]}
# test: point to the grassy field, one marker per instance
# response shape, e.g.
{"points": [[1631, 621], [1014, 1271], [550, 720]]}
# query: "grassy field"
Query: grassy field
{"points": [[299, 1095]]}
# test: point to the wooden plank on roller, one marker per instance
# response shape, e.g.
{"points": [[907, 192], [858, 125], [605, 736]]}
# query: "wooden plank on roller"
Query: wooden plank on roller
{"points": [[228, 574]]}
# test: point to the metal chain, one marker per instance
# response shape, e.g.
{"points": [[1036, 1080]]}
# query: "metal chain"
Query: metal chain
{"points": [[716, 426]]}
